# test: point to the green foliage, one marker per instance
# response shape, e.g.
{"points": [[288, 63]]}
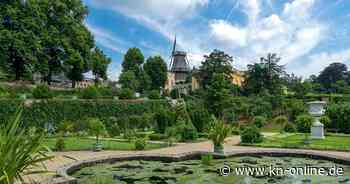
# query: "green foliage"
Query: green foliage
{"points": [[20, 152], [130, 134], [129, 80], [281, 120], [289, 127], [304, 123], [200, 117], [113, 128], [251, 134], [340, 116], [42, 92], [40, 113], [219, 132], [126, 93], [183, 131], [217, 62], [60, 144], [91, 92], [217, 97], [164, 119], [259, 121], [96, 128], [293, 108], [140, 143], [66, 126], [157, 137], [154, 95], [326, 121], [330, 76], [207, 159], [156, 69], [133, 59], [265, 77], [100, 64]]}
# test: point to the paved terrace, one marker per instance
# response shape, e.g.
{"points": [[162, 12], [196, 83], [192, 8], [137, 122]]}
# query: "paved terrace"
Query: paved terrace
{"points": [[63, 159]]}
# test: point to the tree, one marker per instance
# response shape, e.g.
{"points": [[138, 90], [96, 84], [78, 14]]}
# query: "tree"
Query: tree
{"points": [[128, 80], [20, 37], [100, 64], [96, 128], [331, 74], [218, 94], [216, 62], [265, 76], [156, 69], [74, 68], [133, 59]]}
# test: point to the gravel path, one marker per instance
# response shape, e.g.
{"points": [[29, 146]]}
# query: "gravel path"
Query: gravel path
{"points": [[65, 158]]}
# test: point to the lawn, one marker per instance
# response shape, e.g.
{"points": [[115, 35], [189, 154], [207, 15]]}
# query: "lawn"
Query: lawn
{"points": [[78, 144], [331, 142]]}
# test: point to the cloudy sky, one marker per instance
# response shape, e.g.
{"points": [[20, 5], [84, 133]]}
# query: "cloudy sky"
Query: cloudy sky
{"points": [[307, 34]]}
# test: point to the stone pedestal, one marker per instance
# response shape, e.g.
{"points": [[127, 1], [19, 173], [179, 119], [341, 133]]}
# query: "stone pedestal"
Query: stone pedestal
{"points": [[316, 110]]}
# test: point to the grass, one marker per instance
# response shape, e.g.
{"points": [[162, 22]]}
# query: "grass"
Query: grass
{"points": [[331, 142], [80, 144]]}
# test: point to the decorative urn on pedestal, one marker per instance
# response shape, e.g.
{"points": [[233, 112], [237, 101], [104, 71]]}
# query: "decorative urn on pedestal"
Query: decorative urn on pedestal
{"points": [[316, 110]]}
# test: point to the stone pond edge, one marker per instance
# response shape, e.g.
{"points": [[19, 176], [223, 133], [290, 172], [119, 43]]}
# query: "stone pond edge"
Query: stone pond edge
{"points": [[64, 171]]}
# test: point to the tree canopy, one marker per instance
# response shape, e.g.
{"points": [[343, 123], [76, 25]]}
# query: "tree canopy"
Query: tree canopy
{"points": [[156, 69]]}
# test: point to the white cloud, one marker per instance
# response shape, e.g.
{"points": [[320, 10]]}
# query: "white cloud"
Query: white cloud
{"points": [[108, 39], [228, 34], [317, 62], [292, 34]]}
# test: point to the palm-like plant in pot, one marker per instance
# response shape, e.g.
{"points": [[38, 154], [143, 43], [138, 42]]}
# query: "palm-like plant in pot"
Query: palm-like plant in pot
{"points": [[21, 153], [218, 133]]}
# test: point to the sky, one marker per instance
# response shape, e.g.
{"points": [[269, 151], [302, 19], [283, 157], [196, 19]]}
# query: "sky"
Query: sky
{"points": [[308, 35]]}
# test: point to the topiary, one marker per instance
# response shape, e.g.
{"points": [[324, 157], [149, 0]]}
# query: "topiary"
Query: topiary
{"points": [[251, 134], [290, 128], [91, 92], [259, 121], [140, 143], [304, 123], [126, 93], [42, 91]]}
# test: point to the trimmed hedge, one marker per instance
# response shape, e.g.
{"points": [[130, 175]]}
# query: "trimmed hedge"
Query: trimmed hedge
{"points": [[41, 112]]}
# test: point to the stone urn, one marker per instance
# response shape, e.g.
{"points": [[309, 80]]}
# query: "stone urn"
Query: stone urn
{"points": [[316, 110]]}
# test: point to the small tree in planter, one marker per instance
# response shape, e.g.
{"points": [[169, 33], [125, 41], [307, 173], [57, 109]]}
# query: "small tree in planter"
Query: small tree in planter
{"points": [[218, 133], [304, 123], [97, 128]]}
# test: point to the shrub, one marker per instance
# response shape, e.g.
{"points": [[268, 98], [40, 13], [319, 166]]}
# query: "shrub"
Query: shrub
{"points": [[140, 143], [154, 94], [259, 121], [340, 116], [326, 121], [65, 127], [129, 134], [200, 118], [164, 119], [218, 132], [39, 113], [60, 144], [4, 92], [114, 130], [294, 107], [304, 123], [91, 92], [289, 127], [42, 92], [229, 116], [207, 159], [235, 130], [126, 93], [251, 134], [157, 137], [182, 131], [281, 120]]}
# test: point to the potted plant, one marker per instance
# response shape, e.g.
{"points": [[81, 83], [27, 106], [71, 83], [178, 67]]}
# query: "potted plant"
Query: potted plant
{"points": [[218, 133], [96, 128]]}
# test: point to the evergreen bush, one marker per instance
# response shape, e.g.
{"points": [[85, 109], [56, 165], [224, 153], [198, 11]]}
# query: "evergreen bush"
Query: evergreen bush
{"points": [[251, 135]]}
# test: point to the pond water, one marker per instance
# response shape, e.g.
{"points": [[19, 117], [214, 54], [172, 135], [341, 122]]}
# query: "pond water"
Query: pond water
{"points": [[196, 172]]}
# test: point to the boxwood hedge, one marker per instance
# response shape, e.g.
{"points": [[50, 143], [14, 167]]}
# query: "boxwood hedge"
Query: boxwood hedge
{"points": [[40, 112]]}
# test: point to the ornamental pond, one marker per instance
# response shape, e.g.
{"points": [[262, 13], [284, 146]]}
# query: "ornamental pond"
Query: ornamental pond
{"points": [[198, 172]]}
